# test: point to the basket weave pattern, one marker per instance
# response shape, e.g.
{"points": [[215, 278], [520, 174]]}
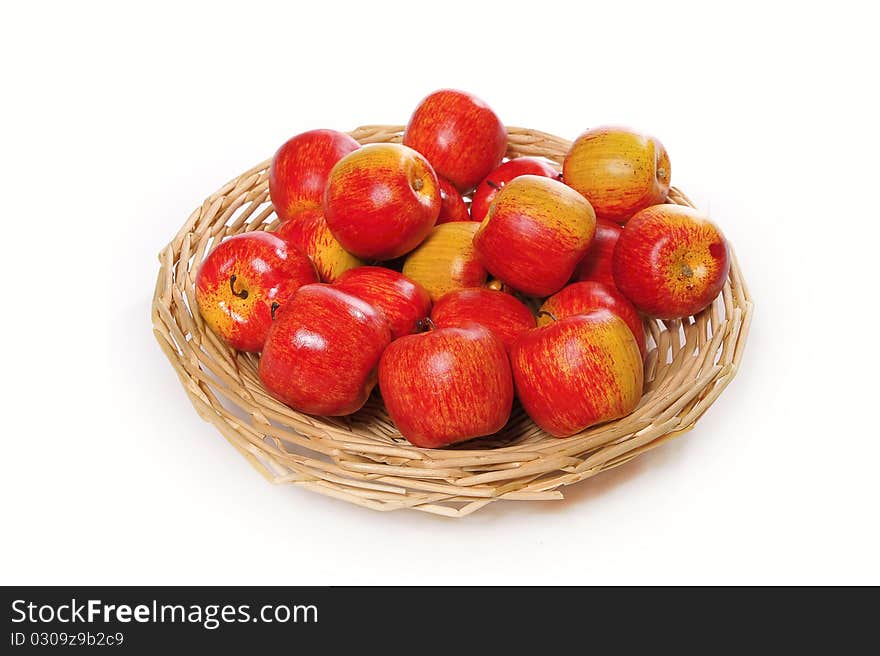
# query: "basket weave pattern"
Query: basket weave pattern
{"points": [[362, 458]]}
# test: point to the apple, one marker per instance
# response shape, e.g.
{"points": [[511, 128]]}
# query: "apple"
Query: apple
{"points": [[583, 297], [536, 232], [578, 371], [596, 264], [447, 385], [299, 170], [500, 312], [671, 261], [243, 283], [381, 201], [404, 303], [459, 134], [618, 170], [321, 354], [446, 261], [308, 233], [452, 205], [487, 190]]}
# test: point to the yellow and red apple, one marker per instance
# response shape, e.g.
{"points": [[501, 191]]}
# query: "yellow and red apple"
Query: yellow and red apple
{"points": [[578, 371], [671, 261], [486, 191], [244, 283], [447, 385], [584, 297], [299, 170], [321, 354], [536, 232], [446, 260], [500, 312], [403, 302], [381, 201], [459, 134], [618, 170], [309, 233]]}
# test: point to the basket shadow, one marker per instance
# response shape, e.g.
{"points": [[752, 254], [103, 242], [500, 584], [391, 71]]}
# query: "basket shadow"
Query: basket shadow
{"points": [[578, 494]]}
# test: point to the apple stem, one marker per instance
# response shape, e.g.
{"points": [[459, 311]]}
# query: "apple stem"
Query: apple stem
{"points": [[547, 314], [425, 324], [418, 184], [275, 306], [493, 184], [241, 294]]}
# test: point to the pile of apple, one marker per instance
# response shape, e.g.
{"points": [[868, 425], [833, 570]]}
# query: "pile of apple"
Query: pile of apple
{"points": [[379, 271]]}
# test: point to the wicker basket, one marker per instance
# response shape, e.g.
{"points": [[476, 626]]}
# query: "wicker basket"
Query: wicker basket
{"points": [[362, 458]]}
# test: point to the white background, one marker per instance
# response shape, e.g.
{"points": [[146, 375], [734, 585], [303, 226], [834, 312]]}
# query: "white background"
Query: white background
{"points": [[118, 121]]}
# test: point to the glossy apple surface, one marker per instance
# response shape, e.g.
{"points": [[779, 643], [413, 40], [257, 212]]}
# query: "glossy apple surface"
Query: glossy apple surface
{"points": [[490, 186], [321, 354], [534, 235], [459, 134], [447, 385], [670, 261], [446, 260], [500, 312], [618, 170], [309, 233], [381, 201], [246, 280], [403, 302], [584, 297], [299, 170], [452, 205], [596, 263], [577, 372]]}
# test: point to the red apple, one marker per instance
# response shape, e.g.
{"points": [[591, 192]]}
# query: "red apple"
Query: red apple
{"points": [[447, 385], [498, 311], [446, 261], [381, 201], [596, 264], [536, 232], [299, 170], [242, 284], [670, 261], [403, 302], [618, 170], [458, 133], [492, 184], [321, 354], [308, 233], [452, 205], [584, 297], [576, 372]]}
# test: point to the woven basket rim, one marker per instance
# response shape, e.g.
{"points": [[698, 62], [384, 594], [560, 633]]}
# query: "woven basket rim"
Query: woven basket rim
{"points": [[362, 459]]}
